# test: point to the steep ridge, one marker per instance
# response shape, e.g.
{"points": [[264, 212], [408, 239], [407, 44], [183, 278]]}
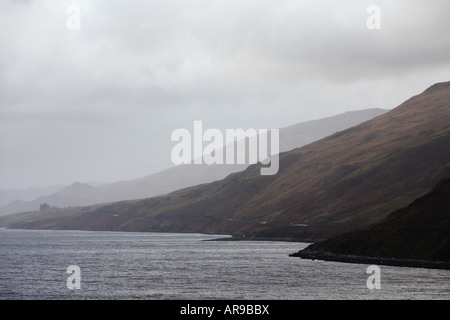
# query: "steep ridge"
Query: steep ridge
{"points": [[420, 231]]}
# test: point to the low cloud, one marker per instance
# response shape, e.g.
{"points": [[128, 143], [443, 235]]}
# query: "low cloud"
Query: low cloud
{"points": [[135, 71]]}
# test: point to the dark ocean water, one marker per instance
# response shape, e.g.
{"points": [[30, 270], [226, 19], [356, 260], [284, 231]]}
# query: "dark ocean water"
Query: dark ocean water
{"points": [[121, 265]]}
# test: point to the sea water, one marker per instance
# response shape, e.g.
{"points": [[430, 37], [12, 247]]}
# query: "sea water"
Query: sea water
{"points": [[125, 265]]}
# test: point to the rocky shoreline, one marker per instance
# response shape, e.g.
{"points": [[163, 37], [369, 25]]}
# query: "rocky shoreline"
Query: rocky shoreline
{"points": [[330, 256]]}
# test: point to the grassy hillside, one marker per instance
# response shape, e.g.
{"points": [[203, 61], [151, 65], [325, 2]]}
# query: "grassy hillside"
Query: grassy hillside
{"points": [[419, 231]]}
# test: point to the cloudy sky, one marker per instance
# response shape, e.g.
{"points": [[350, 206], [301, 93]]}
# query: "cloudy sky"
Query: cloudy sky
{"points": [[99, 103]]}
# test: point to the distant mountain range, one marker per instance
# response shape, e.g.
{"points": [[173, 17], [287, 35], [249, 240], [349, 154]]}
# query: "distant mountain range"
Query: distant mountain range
{"points": [[82, 194], [29, 194], [346, 181]]}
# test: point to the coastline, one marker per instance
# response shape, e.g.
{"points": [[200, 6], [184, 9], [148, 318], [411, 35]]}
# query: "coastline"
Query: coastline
{"points": [[397, 262], [305, 253], [220, 236], [281, 239]]}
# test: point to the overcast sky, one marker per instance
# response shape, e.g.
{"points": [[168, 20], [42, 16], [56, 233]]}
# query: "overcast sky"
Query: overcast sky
{"points": [[100, 103]]}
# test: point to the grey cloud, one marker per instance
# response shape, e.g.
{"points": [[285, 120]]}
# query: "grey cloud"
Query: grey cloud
{"points": [[138, 69]]}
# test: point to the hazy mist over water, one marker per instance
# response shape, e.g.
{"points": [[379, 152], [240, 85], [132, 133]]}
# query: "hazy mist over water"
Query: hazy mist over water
{"points": [[121, 265]]}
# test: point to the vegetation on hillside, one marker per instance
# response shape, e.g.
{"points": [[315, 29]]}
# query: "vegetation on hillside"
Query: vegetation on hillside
{"points": [[419, 231]]}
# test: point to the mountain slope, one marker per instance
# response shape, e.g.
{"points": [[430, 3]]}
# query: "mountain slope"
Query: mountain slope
{"points": [[420, 231], [343, 182], [75, 194], [7, 196], [186, 175]]}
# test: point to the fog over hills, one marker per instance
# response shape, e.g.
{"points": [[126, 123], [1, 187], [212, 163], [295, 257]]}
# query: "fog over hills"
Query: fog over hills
{"points": [[343, 182], [6, 196], [181, 176]]}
